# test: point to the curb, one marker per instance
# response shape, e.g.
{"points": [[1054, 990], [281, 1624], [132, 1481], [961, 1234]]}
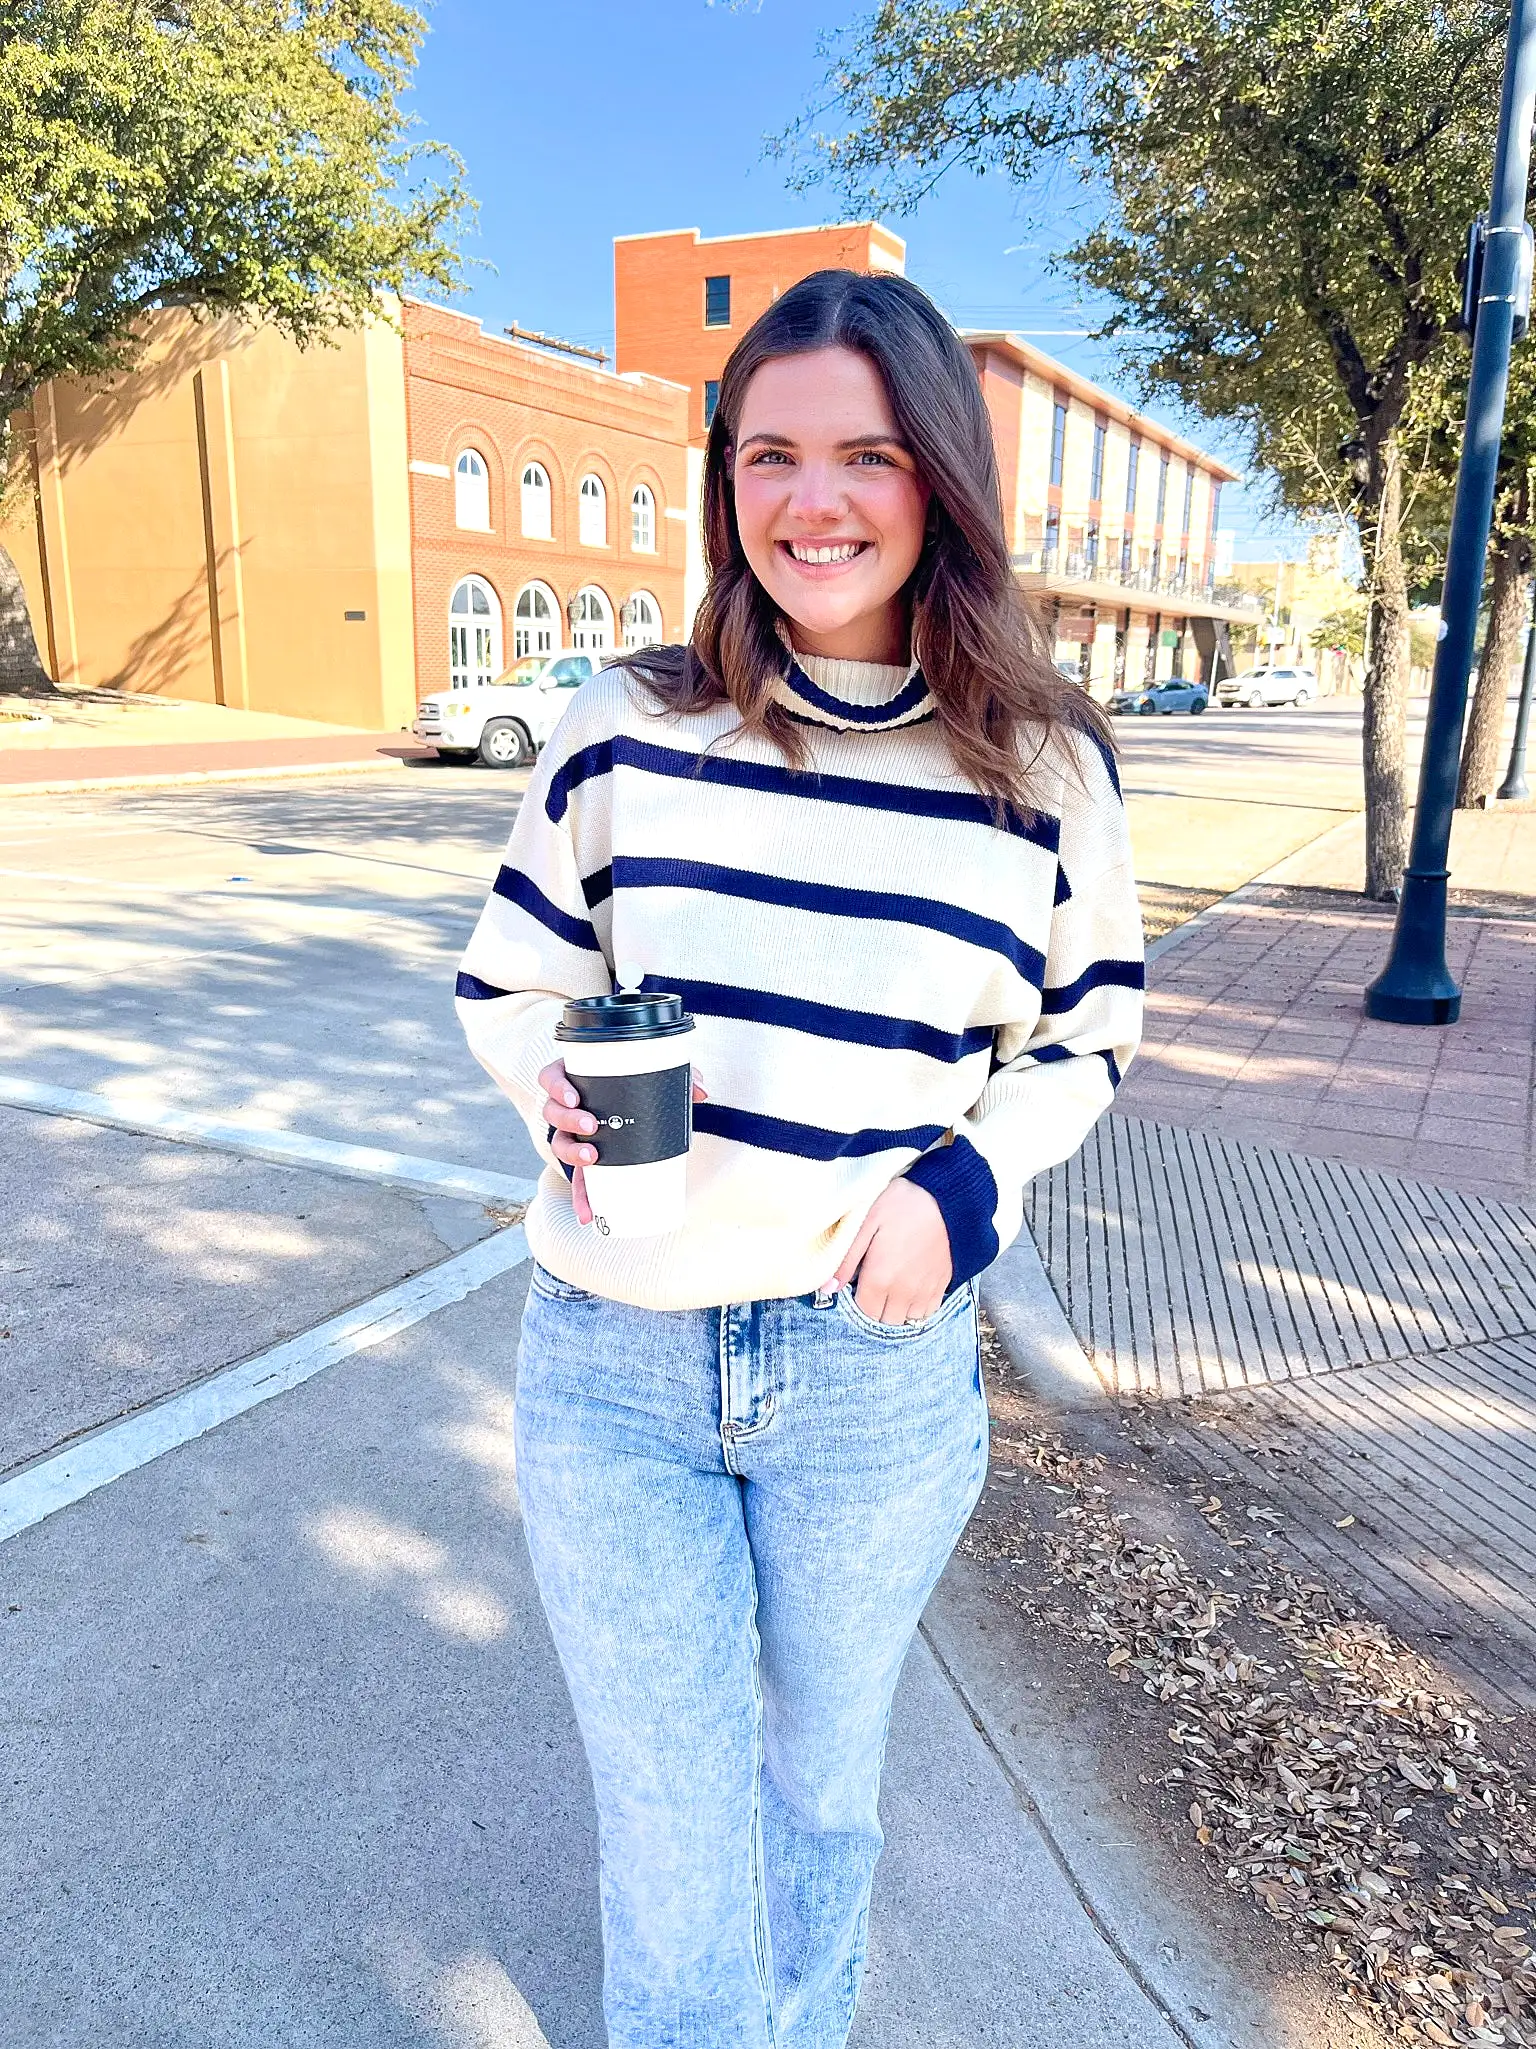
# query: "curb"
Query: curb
{"points": [[1032, 1327]]}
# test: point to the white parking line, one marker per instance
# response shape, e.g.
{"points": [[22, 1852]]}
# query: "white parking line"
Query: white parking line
{"points": [[107, 1454], [260, 1142]]}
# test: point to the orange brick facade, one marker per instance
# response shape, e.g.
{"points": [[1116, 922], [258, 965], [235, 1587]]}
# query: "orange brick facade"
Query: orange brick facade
{"points": [[659, 295], [513, 407]]}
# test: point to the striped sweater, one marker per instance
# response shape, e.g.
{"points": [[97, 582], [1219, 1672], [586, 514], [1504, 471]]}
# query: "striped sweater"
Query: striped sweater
{"points": [[884, 981]]}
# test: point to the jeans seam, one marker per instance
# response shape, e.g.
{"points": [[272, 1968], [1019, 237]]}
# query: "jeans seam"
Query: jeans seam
{"points": [[760, 1932]]}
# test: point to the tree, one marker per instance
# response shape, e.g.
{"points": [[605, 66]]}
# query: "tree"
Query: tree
{"points": [[231, 156], [1285, 193]]}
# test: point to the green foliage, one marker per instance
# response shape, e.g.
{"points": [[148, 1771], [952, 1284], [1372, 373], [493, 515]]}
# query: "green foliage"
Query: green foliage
{"points": [[1344, 628], [246, 156], [1285, 188]]}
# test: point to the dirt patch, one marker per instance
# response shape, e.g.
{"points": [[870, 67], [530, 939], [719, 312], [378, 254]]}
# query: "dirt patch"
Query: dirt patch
{"points": [[1369, 1815], [1166, 904]]}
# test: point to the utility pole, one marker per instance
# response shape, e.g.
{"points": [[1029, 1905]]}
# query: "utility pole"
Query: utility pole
{"points": [[1416, 986], [1514, 785]]}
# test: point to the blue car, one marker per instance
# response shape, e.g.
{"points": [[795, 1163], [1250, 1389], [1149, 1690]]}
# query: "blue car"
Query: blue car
{"points": [[1175, 695]]}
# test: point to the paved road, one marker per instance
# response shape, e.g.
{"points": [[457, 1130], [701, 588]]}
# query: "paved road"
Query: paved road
{"points": [[291, 1756]]}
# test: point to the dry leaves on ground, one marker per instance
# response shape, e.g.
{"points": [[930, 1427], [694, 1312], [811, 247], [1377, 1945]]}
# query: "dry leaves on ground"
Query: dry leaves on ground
{"points": [[1344, 1786]]}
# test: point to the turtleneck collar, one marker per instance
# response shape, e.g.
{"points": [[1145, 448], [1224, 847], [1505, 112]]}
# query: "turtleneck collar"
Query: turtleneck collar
{"points": [[854, 697]]}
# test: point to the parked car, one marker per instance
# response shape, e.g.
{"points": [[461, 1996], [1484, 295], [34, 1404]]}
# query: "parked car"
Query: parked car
{"points": [[508, 721], [1175, 694], [1259, 687]]}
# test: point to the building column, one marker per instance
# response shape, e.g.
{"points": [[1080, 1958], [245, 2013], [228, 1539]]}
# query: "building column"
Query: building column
{"points": [[221, 535], [58, 587]]}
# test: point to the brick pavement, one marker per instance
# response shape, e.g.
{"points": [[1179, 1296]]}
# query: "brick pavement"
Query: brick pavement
{"points": [[1255, 1030], [149, 761]]}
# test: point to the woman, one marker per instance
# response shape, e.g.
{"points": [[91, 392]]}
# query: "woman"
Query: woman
{"points": [[876, 842]]}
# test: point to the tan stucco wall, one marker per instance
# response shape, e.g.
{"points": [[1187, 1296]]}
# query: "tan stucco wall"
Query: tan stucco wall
{"points": [[210, 518]]}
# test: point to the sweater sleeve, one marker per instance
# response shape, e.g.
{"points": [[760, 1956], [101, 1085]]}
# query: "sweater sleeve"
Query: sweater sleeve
{"points": [[1054, 1077], [535, 944]]}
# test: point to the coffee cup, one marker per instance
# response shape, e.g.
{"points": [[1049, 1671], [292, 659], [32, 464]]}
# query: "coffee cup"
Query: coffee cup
{"points": [[627, 1057]]}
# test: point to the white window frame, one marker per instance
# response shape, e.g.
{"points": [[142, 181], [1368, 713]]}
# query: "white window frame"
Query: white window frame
{"points": [[534, 633], [592, 511], [474, 636], [472, 492], [536, 503], [592, 634], [642, 520], [636, 635]]}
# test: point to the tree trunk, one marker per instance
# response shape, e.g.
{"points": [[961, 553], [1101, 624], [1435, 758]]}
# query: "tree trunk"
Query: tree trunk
{"points": [[1502, 646], [21, 669], [1384, 727]]}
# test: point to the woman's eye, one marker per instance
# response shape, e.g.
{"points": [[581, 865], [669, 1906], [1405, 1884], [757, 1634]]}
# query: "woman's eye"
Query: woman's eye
{"points": [[769, 455], [875, 457]]}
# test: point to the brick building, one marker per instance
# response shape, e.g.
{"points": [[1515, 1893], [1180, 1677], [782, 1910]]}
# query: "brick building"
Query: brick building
{"points": [[336, 532], [548, 501], [682, 300], [1112, 522]]}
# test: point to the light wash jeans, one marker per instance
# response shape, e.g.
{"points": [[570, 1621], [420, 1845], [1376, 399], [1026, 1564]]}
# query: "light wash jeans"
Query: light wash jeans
{"points": [[735, 1517]]}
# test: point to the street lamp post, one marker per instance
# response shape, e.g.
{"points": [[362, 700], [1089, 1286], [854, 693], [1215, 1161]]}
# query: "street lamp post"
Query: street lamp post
{"points": [[1416, 986], [1514, 785]]}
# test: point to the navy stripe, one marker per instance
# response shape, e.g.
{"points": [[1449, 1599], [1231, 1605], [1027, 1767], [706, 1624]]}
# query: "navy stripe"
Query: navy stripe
{"points": [[962, 807], [597, 887], [476, 991], [632, 871], [1047, 1056], [1063, 887], [523, 891], [806, 1141], [824, 1020], [803, 718], [908, 698], [1104, 974]]}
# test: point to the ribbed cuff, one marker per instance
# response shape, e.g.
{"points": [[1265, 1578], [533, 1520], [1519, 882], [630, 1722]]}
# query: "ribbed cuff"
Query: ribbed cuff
{"points": [[961, 1183]]}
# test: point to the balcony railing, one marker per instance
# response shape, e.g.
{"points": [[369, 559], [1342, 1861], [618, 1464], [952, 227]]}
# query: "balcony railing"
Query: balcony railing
{"points": [[1078, 565]]}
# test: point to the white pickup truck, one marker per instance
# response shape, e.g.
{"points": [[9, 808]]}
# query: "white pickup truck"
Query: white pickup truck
{"points": [[508, 721]]}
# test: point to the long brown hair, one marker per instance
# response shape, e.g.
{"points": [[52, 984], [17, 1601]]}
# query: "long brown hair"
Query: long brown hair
{"points": [[997, 694]]}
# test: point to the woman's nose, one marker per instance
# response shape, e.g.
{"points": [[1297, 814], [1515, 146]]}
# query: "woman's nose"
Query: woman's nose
{"points": [[818, 493]]}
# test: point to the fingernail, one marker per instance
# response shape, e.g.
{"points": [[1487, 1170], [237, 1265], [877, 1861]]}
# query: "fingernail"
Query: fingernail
{"points": [[589, 1124], [571, 1099], [588, 1155]]}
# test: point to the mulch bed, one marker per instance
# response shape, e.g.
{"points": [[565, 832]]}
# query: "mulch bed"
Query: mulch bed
{"points": [[1342, 1785]]}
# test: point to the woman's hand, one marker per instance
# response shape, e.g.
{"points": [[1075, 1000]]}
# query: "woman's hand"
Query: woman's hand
{"points": [[901, 1257], [572, 1126]]}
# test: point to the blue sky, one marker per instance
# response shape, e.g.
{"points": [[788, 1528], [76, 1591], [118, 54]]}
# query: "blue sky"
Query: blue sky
{"points": [[579, 120]]}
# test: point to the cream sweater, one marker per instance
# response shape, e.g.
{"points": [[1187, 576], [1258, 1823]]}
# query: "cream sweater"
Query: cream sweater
{"points": [[884, 981]]}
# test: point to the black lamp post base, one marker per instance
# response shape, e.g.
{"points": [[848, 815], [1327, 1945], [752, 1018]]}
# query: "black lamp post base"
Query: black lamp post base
{"points": [[1415, 987]]}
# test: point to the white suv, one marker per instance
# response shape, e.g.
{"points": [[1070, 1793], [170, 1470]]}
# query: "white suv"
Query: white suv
{"points": [[1259, 687], [508, 721]]}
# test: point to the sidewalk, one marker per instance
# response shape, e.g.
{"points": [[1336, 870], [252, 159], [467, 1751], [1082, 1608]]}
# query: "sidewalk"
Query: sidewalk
{"points": [[102, 738], [1305, 1244]]}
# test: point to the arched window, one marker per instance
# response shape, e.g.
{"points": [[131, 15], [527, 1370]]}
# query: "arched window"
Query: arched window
{"points": [[533, 621], [474, 634], [591, 620], [536, 522], [593, 528], [472, 493], [642, 521], [642, 621]]}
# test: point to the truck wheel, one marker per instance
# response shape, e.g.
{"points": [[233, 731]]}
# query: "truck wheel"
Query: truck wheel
{"points": [[1255, 700], [505, 744]]}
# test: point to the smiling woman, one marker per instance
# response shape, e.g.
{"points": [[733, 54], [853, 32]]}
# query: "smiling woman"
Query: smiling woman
{"points": [[864, 839]]}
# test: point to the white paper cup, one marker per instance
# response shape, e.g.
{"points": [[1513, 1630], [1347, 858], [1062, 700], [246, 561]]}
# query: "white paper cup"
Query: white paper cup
{"points": [[628, 1058]]}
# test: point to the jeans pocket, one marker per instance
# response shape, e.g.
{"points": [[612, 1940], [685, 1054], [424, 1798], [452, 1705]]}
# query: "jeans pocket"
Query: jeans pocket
{"points": [[553, 1289], [901, 1333]]}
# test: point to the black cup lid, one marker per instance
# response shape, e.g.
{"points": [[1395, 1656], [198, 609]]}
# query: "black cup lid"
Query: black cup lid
{"points": [[655, 1015]]}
